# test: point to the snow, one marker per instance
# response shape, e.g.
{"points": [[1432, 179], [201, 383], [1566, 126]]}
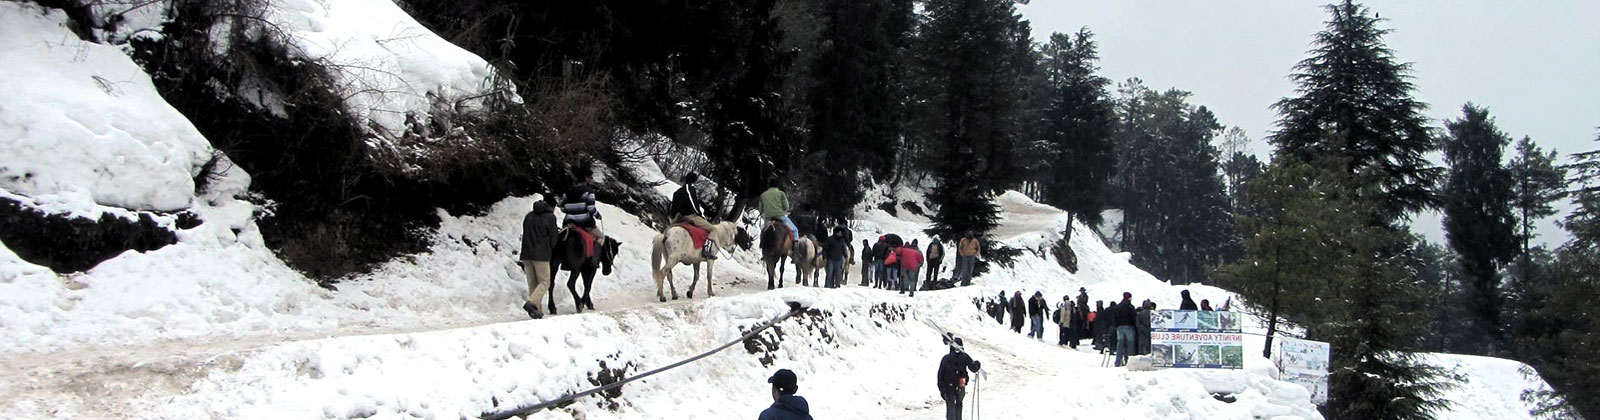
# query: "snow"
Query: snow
{"points": [[388, 66], [216, 326], [82, 126]]}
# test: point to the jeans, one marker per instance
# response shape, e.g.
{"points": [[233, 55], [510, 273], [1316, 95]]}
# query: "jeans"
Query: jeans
{"points": [[1036, 326], [964, 266], [908, 280], [794, 233], [835, 272], [1124, 344], [891, 277]]}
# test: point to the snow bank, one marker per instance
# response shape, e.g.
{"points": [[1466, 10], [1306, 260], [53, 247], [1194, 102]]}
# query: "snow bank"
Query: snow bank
{"points": [[389, 67], [82, 126]]}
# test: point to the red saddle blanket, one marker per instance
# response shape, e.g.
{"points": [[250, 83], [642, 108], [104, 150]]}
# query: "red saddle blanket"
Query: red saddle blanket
{"points": [[588, 241], [696, 233]]}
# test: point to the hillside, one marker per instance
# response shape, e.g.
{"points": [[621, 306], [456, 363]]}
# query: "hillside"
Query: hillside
{"points": [[213, 323]]}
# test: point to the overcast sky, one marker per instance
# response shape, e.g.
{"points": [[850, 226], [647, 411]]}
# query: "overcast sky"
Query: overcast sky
{"points": [[1535, 65]]}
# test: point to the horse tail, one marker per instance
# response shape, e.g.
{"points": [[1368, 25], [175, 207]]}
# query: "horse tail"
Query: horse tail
{"points": [[658, 254]]}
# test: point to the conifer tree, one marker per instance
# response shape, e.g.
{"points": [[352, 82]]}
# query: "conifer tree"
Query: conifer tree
{"points": [[971, 56], [1354, 105], [1077, 122], [1354, 101], [1477, 216], [1536, 183], [749, 142], [853, 104]]}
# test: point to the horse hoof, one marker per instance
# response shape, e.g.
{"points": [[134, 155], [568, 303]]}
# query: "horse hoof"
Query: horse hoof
{"points": [[590, 306], [691, 295], [663, 298]]}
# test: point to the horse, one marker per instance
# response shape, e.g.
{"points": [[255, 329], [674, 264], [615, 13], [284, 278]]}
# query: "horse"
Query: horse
{"points": [[673, 246], [568, 253], [806, 262], [776, 247]]}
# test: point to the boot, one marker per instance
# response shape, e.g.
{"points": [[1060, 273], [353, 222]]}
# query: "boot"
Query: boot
{"points": [[533, 310]]}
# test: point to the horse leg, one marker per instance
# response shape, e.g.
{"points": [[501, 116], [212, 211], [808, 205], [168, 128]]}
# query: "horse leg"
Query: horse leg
{"points": [[588, 286], [671, 282], [694, 282], [572, 285], [550, 296], [769, 275], [711, 268]]}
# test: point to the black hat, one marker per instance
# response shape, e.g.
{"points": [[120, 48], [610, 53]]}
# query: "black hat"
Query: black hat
{"points": [[785, 381]]}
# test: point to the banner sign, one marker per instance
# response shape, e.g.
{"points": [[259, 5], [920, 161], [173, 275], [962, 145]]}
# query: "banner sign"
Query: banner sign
{"points": [[1305, 362], [1196, 339]]}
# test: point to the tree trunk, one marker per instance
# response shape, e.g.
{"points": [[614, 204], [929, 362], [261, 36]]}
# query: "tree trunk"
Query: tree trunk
{"points": [[1272, 313]]}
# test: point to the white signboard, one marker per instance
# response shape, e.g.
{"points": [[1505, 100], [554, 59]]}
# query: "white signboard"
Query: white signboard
{"points": [[1196, 339], [1305, 362]]}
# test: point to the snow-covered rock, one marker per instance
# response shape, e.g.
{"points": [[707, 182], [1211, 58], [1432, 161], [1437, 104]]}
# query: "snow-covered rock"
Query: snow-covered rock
{"points": [[82, 126]]}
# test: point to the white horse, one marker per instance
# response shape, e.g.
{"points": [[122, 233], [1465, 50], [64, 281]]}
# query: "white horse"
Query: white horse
{"points": [[674, 246], [807, 262]]}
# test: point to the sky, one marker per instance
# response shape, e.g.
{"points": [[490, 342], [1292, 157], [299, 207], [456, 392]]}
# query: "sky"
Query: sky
{"points": [[1535, 65]]}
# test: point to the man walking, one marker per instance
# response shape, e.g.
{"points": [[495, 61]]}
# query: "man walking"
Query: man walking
{"points": [[910, 264], [1063, 318], [833, 250], [1036, 310], [952, 382], [935, 257], [866, 263], [538, 242], [786, 405], [1122, 317]]}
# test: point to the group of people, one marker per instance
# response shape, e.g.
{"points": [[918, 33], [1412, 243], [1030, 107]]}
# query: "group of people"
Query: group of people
{"points": [[892, 264], [1122, 328]]}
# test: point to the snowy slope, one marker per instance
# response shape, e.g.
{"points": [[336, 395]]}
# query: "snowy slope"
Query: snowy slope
{"points": [[216, 326]]}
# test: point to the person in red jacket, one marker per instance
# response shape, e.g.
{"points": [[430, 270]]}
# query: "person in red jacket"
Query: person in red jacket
{"points": [[910, 260]]}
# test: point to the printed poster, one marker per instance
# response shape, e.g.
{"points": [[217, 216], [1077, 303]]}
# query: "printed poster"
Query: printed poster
{"points": [[1196, 339], [1305, 362]]}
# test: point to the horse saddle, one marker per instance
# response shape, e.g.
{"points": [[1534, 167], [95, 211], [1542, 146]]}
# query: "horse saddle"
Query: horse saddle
{"points": [[697, 234], [588, 240]]}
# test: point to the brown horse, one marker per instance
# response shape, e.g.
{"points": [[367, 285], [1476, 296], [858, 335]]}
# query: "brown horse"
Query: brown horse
{"points": [[776, 245]]}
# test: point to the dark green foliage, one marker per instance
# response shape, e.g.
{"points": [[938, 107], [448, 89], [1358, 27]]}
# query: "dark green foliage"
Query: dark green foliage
{"points": [[1477, 217], [854, 102], [1536, 183], [1354, 101], [1077, 121], [972, 57], [743, 113], [1176, 217], [1353, 108], [1240, 169], [1560, 326]]}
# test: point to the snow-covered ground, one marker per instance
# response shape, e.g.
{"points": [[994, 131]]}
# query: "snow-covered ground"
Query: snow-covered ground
{"points": [[216, 326]]}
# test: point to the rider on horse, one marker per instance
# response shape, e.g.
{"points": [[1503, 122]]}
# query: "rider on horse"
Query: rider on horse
{"points": [[686, 209], [775, 208], [580, 209]]}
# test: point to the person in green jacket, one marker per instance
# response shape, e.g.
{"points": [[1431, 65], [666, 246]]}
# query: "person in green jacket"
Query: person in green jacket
{"points": [[775, 207]]}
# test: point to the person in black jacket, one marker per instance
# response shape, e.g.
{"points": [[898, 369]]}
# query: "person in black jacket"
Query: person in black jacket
{"points": [[833, 253], [866, 263], [1122, 316], [1037, 307], [934, 257], [538, 243], [1018, 310], [1188, 303], [952, 381], [786, 405], [687, 208]]}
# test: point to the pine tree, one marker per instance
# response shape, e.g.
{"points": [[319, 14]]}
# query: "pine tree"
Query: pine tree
{"points": [[1536, 183], [972, 54], [1176, 219], [749, 142], [1354, 101], [1353, 105], [1477, 216], [1239, 169], [1077, 123], [854, 115]]}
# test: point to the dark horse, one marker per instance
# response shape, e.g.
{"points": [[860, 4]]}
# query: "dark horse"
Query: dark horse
{"points": [[569, 254]]}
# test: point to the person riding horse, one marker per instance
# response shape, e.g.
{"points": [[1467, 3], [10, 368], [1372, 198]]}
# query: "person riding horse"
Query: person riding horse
{"points": [[686, 209], [775, 208], [579, 208]]}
